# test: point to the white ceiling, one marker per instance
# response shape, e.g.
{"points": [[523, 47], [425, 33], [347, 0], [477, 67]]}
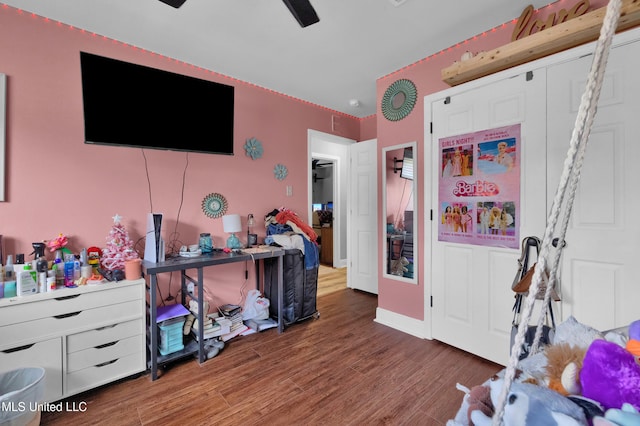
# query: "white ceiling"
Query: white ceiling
{"points": [[259, 41]]}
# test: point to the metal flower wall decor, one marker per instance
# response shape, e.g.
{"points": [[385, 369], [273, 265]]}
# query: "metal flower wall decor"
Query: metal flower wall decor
{"points": [[280, 171], [253, 148]]}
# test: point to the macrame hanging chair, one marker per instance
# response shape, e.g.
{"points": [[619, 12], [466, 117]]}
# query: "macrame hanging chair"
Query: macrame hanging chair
{"points": [[562, 202]]}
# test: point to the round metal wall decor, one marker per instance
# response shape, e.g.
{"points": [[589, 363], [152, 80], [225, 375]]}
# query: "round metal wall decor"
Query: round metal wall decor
{"points": [[214, 205], [399, 99]]}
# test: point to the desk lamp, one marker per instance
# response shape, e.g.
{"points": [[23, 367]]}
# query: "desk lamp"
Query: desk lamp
{"points": [[231, 225], [252, 239]]}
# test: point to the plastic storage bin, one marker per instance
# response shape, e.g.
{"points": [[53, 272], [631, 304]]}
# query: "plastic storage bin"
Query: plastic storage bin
{"points": [[21, 393], [170, 333]]}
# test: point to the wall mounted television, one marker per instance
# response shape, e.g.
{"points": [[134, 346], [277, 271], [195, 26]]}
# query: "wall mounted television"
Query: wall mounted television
{"points": [[132, 105]]}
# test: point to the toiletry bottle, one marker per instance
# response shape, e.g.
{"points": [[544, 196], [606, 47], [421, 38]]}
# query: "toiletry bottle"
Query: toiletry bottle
{"points": [[84, 257], [69, 261], [26, 281], [51, 278], [41, 267], [58, 266], [76, 268], [86, 270], [18, 265], [8, 267], [38, 252]]}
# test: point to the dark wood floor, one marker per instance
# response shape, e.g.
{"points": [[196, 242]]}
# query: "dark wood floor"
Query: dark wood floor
{"points": [[340, 369]]}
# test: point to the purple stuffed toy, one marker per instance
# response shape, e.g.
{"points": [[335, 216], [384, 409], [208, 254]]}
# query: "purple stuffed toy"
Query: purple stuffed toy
{"points": [[610, 375]]}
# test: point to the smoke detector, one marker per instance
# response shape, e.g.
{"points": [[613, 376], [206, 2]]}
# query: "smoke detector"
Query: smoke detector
{"points": [[397, 3]]}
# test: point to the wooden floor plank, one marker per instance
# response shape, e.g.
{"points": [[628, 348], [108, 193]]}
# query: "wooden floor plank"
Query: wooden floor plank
{"points": [[340, 369]]}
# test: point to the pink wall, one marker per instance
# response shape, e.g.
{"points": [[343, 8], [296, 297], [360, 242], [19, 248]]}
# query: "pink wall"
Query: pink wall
{"points": [[394, 296], [57, 184], [368, 128]]}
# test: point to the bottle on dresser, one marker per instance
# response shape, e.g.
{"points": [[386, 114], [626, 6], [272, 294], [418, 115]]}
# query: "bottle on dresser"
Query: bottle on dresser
{"points": [[9, 278], [26, 281]]}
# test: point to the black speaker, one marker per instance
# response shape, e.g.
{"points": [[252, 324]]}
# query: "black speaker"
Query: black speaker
{"points": [[174, 3], [302, 10]]}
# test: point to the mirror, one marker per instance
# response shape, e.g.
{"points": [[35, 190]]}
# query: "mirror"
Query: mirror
{"points": [[3, 85], [398, 207], [398, 100]]}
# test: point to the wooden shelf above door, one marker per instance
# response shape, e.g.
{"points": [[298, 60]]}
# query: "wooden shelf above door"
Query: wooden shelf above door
{"points": [[566, 35]]}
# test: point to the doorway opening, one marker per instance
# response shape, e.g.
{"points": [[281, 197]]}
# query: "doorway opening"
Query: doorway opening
{"points": [[322, 205]]}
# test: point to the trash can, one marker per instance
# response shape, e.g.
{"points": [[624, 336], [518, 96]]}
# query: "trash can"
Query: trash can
{"points": [[21, 393]]}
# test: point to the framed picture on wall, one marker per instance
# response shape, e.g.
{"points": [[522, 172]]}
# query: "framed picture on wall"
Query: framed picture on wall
{"points": [[479, 187]]}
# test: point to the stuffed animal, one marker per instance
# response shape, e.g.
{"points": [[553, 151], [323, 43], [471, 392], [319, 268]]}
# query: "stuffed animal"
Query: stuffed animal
{"points": [[633, 344], [564, 362], [626, 416], [529, 404], [479, 400], [575, 333], [610, 375], [398, 266]]}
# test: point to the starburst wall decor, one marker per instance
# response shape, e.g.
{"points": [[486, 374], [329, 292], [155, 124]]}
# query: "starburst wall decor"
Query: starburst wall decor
{"points": [[214, 205]]}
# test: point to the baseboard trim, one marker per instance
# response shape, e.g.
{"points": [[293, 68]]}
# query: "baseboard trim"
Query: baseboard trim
{"points": [[402, 323]]}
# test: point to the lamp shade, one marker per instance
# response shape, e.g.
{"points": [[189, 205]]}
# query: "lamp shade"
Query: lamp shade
{"points": [[231, 223]]}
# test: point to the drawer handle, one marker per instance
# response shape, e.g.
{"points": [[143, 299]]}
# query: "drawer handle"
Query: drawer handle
{"points": [[106, 345], [71, 314], [106, 327], [18, 349], [104, 364], [73, 296]]}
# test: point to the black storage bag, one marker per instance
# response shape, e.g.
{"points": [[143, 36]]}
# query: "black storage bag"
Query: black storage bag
{"points": [[300, 287]]}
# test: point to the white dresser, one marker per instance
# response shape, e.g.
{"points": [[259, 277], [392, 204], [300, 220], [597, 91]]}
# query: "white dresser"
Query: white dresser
{"points": [[83, 337]]}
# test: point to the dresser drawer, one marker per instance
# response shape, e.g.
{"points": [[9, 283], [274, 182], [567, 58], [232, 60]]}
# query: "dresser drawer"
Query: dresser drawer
{"points": [[46, 354], [105, 372], [70, 321], [104, 353], [35, 307], [102, 335]]}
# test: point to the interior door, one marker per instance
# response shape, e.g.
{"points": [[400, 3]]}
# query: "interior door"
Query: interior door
{"points": [[598, 281], [471, 294], [363, 217]]}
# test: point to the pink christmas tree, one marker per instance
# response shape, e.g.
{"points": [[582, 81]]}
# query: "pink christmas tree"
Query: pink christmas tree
{"points": [[119, 247]]}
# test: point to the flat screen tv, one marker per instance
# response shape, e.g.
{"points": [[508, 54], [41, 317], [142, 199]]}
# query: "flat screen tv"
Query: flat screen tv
{"points": [[407, 164], [132, 105]]}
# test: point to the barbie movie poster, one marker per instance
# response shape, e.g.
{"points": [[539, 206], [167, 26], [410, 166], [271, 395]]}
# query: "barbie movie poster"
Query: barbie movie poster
{"points": [[479, 188]]}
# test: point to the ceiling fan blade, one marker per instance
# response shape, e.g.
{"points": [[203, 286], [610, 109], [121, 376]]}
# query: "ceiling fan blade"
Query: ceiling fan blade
{"points": [[174, 3], [302, 10]]}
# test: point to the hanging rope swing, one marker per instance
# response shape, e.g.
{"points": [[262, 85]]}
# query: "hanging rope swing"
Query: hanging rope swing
{"points": [[563, 201]]}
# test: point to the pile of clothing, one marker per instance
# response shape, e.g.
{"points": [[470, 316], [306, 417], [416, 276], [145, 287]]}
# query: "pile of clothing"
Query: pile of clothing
{"points": [[287, 230]]}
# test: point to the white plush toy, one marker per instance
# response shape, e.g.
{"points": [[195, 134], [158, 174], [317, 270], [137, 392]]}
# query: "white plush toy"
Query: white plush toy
{"points": [[398, 266], [528, 404]]}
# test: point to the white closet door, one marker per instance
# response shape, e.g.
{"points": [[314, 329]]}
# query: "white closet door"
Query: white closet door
{"points": [[471, 289], [363, 216], [598, 280]]}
